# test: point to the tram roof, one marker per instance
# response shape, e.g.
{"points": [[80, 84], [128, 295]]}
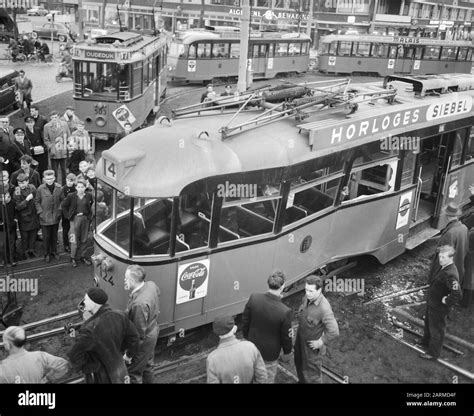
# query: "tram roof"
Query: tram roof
{"points": [[405, 40], [190, 36], [162, 161], [118, 46]]}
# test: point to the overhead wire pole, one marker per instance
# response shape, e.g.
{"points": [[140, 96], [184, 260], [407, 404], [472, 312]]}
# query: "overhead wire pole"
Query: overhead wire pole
{"points": [[244, 46], [310, 18]]}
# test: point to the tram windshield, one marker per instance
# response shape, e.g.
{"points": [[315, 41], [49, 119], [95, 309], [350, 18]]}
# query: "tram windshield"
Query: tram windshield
{"points": [[107, 80]]}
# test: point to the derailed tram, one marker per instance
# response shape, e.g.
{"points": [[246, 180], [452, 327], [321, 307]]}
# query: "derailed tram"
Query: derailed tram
{"points": [[210, 210]]}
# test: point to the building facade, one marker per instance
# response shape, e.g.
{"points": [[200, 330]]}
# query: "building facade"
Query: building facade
{"points": [[446, 19]]}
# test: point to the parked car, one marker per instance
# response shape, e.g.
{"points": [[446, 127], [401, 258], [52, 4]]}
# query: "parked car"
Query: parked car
{"points": [[37, 11], [7, 89], [59, 30], [49, 16]]}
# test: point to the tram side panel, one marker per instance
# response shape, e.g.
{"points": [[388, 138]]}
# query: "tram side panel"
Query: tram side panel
{"points": [[303, 249]]}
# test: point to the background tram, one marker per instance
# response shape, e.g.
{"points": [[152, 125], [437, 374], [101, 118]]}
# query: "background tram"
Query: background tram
{"points": [[386, 55], [200, 56], [312, 193], [118, 78]]}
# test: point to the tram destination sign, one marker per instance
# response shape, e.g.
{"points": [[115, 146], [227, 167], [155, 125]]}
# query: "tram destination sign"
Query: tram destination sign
{"points": [[99, 55], [382, 125]]}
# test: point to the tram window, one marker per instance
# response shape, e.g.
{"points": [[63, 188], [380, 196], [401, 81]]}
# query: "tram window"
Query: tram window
{"points": [[383, 149], [220, 50], [282, 49], [234, 50], [294, 49], [146, 70], [448, 53], [408, 172], [392, 52], [462, 55], [457, 149], [193, 221], [204, 50], [100, 78], [470, 146], [379, 50], [306, 199], [409, 53], [432, 52], [469, 55], [271, 50], [344, 48], [332, 48], [151, 226], [255, 51], [262, 51], [418, 52], [192, 51], [242, 217], [137, 79], [305, 48], [371, 179], [361, 49]]}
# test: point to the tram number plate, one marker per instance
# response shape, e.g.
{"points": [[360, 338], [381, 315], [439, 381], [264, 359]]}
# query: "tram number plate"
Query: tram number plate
{"points": [[110, 170]]}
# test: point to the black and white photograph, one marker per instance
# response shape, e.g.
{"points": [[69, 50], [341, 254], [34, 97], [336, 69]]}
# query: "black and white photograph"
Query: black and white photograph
{"points": [[274, 192]]}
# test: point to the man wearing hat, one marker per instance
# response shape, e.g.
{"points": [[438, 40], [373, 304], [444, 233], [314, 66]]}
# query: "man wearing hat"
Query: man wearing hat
{"points": [[70, 118], [103, 339], [38, 149], [234, 361], [444, 291], [23, 86], [25, 167], [454, 235], [6, 131]]}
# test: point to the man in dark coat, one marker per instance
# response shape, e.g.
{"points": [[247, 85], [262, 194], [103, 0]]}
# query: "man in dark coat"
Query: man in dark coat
{"points": [[40, 121], [38, 148], [266, 322], [104, 338], [444, 291], [316, 328], [24, 198], [143, 309], [24, 86], [454, 235], [48, 206], [7, 221], [77, 208]]}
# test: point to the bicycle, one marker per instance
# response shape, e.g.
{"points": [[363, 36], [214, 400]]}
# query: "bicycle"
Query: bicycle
{"points": [[35, 58], [19, 58]]}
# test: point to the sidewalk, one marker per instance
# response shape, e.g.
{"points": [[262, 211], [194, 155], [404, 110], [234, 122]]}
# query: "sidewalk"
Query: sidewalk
{"points": [[42, 76]]}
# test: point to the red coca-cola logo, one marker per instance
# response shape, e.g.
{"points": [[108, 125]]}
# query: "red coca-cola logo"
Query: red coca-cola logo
{"points": [[196, 272]]}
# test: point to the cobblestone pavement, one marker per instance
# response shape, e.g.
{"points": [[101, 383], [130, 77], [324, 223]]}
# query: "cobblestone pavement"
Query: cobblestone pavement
{"points": [[42, 75]]}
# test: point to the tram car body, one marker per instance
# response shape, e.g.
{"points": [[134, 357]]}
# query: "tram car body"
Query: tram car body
{"points": [[202, 55], [118, 78], [387, 55], [210, 218]]}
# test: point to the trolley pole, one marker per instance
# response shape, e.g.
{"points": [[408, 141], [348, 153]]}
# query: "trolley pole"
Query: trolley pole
{"points": [[244, 46], [80, 20]]}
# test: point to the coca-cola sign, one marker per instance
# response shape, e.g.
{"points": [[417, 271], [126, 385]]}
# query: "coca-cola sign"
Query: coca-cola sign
{"points": [[196, 272]]}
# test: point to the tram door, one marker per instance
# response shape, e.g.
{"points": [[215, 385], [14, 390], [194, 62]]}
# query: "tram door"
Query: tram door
{"points": [[408, 60], [433, 164], [259, 59]]}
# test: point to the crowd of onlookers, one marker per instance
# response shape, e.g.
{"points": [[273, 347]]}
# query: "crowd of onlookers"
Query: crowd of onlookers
{"points": [[48, 178]]}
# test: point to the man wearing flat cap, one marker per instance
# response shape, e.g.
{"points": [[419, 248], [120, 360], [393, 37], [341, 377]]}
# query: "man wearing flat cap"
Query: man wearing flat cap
{"points": [[103, 339], [26, 162], [234, 361], [70, 118], [454, 235]]}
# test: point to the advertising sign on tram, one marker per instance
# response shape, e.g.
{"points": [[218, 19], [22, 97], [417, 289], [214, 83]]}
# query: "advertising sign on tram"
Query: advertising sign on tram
{"points": [[192, 281], [123, 115]]}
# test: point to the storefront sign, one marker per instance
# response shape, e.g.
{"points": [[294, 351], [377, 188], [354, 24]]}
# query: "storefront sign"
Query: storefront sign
{"points": [[271, 15]]}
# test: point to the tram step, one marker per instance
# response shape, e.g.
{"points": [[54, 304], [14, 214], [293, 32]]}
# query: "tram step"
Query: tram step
{"points": [[420, 237]]}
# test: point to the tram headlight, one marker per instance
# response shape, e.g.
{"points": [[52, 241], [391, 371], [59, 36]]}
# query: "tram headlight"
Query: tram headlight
{"points": [[171, 68], [100, 121]]}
